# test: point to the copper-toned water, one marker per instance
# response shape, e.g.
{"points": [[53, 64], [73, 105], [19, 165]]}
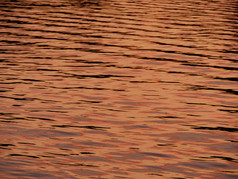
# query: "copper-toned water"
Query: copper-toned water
{"points": [[118, 89]]}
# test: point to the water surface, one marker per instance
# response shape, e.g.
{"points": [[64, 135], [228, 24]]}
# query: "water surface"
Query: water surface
{"points": [[118, 89]]}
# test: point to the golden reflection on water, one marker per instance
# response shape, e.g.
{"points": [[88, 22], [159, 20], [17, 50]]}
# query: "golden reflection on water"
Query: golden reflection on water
{"points": [[118, 89]]}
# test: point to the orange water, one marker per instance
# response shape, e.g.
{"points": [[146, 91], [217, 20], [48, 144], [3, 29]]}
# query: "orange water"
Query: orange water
{"points": [[118, 89]]}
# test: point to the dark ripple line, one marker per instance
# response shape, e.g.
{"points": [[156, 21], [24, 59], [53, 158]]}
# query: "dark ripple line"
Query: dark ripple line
{"points": [[227, 79], [229, 110], [27, 98], [225, 106], [7, 145], [99, 76], [80, 87], [21, 155], [15, 42], [87, 127], [40, 118], [227, 129], [199, 87], [226, 158], [188, 63], [76, 164]]}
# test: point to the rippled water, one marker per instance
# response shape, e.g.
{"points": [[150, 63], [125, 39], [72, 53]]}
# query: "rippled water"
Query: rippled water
{"points": [[118, 89]]}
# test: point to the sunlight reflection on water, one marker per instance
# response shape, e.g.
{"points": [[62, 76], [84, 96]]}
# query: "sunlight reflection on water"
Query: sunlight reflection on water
{"points": [[118, 89]]}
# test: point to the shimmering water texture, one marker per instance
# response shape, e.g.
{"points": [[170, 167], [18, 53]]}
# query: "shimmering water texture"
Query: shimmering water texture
{"points": [[114, 89]]}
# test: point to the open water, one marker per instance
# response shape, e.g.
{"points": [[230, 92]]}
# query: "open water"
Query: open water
{"points": [[118, 89]]}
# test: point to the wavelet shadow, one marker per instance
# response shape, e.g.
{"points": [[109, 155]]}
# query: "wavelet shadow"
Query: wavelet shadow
{"points": [[86, 3]]}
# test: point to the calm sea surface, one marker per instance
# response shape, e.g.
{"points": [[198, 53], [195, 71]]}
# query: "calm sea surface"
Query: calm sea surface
{"points": [[114, 89]]}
